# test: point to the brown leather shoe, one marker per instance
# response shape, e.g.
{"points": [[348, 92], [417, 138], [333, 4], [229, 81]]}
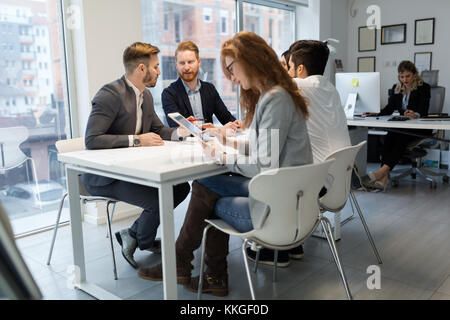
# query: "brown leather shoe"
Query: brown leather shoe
{"points": [[155, 274], [217, 286]]}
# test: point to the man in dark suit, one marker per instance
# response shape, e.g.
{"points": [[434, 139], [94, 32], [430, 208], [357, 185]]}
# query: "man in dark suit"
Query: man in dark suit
{"points": [[191, 97], [123, 116]]}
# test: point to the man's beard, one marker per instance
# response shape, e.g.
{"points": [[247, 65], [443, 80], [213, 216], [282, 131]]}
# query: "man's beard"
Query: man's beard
{"points": [[148, 81], [188, 78]]}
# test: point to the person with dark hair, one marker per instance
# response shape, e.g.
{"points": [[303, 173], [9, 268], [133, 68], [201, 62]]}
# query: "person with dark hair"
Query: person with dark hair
{"points": [[284, 60], [319, 47], [276, 114], [123, 116], [411, 98], [327, 124], [306, 62]]}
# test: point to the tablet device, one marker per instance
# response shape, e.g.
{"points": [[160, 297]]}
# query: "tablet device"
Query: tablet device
{"points": [[185, 123]]}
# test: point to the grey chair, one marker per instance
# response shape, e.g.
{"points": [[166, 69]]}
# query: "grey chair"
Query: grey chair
{"points": [[72, 145], [292, 196], [416, 150], [340, 173]]}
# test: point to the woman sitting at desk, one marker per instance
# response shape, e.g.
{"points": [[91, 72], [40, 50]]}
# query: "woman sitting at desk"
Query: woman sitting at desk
{"points": [[411, 98]]}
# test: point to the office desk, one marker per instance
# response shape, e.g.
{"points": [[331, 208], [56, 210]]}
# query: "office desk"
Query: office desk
{"points": [[159, 167], [382, 122]]}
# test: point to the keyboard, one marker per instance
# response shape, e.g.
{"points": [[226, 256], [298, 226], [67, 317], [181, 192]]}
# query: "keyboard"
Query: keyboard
{"points": [[437, 115], [399, 118]]}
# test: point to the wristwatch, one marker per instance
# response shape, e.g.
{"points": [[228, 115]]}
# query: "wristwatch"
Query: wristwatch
{"points": [[136, 141]]}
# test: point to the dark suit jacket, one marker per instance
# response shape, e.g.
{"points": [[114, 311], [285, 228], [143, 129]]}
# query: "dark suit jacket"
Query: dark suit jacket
{"points": [[113, 119], [175, 99], [419, 101]]}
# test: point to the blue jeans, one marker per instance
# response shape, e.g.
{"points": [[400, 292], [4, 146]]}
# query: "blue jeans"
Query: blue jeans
{"points": [[232, 207]]}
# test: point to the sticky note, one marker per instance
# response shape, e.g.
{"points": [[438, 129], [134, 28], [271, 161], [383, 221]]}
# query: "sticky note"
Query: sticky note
{"points": [[355, 83]]}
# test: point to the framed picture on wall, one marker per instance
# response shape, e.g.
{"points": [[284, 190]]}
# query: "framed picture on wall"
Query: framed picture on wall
{"points": [[338, 65], [422, 60], [367, 39], [366, 64], [424, 32], [393, 34]]}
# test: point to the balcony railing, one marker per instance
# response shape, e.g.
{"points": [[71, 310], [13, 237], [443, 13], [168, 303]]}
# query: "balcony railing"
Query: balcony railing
{"points": [[29, 73], [26, 39], [28, 56]]}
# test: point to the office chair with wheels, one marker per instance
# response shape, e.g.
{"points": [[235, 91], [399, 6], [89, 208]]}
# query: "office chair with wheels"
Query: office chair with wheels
{"points": [[292, 196], [72, 145], [417, 150]]}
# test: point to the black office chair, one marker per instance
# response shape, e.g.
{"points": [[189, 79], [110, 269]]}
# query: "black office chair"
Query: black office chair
{"points": [[417, 150]]}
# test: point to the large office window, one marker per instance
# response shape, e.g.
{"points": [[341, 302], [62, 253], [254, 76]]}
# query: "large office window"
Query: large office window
{"points": [[269, 19], [33, 111], [209, 24], [204, 22]]}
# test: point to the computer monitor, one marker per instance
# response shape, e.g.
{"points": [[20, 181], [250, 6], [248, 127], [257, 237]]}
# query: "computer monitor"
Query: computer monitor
{"points": [[367, 87]]}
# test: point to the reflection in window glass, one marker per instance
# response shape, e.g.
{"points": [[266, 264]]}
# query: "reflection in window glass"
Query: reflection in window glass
{"points": [[33, 112], [197, 22], [267, 22]]}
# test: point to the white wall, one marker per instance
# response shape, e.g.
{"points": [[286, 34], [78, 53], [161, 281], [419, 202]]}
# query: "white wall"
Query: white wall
{"points": [[398, 12], [107, 28], [324, 19]]}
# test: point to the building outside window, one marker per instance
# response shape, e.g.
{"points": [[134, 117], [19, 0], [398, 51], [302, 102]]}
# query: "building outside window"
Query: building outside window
{"points": [[224, 22], [166, 22], [262, 19], [197, 21], [37, 108], [177, 27], [207, 15], [207, 24]]}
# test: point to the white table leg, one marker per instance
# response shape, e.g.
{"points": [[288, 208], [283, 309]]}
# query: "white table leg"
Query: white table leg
{"points": [[75, 224], [168, 241], [79, 276]]}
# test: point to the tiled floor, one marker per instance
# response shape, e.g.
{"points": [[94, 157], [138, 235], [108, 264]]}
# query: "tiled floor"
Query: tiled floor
{"points": [[410, 225]]}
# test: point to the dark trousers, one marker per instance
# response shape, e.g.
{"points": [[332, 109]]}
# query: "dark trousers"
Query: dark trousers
{"points": [[145, 227], [395, 145]]}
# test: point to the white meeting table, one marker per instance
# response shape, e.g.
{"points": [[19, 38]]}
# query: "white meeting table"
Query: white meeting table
{"points": [[382, 122], [158, 167]]}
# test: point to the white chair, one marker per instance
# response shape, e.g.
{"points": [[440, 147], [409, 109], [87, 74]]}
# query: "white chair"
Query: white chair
{"points": [[339, 178], [72, 145], [292, 195], [337, 194], [10, 154]]}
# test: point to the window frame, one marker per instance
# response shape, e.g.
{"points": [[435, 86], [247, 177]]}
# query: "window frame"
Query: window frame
{"points": [[268, 3]]}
